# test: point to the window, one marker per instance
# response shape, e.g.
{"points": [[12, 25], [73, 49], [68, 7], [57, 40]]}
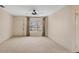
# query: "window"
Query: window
{"points": [[35, 24]]}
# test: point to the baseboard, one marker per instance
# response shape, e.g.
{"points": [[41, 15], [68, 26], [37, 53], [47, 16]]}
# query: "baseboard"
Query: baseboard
{"points": [[19, 36], [6, 40], [61, 45], [76, 52]]}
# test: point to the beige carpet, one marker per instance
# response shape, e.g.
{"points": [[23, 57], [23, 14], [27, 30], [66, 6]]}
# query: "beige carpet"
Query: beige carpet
{"points": [[31, 44]]}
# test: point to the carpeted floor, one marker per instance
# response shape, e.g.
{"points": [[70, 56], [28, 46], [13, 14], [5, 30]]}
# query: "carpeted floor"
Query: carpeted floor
{"points": [[31, 45]]}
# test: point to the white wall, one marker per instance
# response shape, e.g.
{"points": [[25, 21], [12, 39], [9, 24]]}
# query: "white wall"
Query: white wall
{"points": [[5, 25], [61, 27], [19, 27]]}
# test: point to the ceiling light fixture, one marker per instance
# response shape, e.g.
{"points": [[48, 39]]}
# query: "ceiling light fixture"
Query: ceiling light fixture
{"points": [[34, 12]]}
